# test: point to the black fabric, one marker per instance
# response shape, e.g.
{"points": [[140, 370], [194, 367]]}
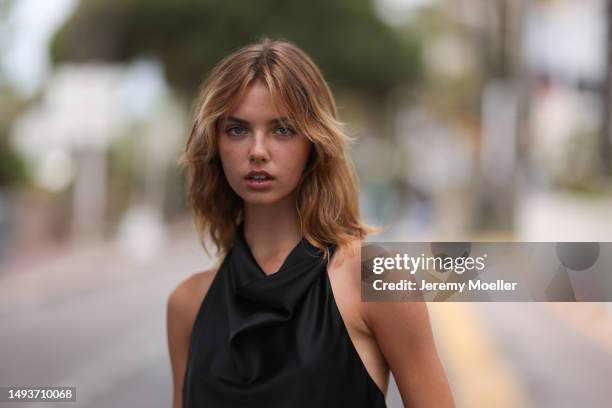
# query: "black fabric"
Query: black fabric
{"points": [[274, 340]]}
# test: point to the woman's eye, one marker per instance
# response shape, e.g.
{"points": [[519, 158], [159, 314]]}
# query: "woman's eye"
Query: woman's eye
{"points": [[285, 131], [235, 131]]}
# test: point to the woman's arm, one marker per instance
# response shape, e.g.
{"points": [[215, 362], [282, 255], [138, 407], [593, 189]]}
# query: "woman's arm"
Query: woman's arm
{"points": [[182, 308], [403, 333]]}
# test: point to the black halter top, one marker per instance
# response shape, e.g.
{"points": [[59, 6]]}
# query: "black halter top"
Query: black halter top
{"points": [[274, 340]]}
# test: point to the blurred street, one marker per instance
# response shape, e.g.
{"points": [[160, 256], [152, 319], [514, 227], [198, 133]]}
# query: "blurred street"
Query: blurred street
{"points": [[100, 326]]}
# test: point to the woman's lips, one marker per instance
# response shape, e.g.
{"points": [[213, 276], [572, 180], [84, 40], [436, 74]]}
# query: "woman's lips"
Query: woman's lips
{"points": [[259, 184]]}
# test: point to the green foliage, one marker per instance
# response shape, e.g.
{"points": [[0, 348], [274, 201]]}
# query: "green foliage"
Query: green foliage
{"points": [[345, 38], [12, 167]]}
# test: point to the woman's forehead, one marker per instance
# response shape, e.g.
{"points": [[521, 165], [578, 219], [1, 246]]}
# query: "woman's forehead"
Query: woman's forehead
{"points": [[257, 105]]}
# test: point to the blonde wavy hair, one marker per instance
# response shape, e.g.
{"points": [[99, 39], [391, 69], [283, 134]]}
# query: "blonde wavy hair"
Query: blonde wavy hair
{"points": [[327, 193]]}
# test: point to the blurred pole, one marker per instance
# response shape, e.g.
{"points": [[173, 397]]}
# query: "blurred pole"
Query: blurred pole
{"points": [[502, 61], [499, 117], [89, 200], [606, 134], [85, 101], [523, 89]]}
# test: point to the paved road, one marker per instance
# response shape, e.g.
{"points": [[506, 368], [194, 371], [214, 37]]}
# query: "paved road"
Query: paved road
{"points": [[557, 363], [92, 319]]}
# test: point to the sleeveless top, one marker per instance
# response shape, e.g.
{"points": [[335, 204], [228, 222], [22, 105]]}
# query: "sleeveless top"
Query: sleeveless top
{"points": [[274, 340]]}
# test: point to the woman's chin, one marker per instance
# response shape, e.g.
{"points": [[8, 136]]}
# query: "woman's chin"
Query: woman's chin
{"points": [[261, 198]]}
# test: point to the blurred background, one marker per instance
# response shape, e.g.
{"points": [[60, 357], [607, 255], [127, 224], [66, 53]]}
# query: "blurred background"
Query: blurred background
{"points": [[473, 119]]}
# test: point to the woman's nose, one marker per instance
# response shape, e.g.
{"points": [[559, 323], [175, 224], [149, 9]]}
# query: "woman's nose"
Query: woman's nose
{"points": [[259, 150]]}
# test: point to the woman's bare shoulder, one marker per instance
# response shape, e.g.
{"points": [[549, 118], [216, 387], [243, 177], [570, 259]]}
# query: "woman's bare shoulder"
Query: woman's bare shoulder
{"points": [[195, 283], [345, 270], [349, 252], [346, 260], [185, 299]]}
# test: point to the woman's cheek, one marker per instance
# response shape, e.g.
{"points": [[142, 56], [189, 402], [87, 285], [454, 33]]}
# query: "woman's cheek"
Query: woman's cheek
{"points": [[230, 174]]}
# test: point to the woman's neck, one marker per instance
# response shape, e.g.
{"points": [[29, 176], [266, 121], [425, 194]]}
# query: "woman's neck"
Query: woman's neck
{"points": [[271, 231]]}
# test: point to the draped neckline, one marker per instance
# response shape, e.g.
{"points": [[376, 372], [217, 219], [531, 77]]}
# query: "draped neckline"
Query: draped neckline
{"points": [[280, 291], [289, 259]]}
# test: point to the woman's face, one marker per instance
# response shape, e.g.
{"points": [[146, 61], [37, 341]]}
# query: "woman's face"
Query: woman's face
{"points": [[253, 141]]}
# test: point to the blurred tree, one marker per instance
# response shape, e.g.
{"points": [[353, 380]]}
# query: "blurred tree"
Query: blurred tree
{"points": [[13, 170], [353, 47]]}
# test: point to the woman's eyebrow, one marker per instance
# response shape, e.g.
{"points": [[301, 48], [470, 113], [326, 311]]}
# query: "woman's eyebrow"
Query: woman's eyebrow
{"points": [[246, 122]]}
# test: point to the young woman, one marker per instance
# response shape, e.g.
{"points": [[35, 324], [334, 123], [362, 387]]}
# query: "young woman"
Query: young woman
{"points": [[280, 322]]}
